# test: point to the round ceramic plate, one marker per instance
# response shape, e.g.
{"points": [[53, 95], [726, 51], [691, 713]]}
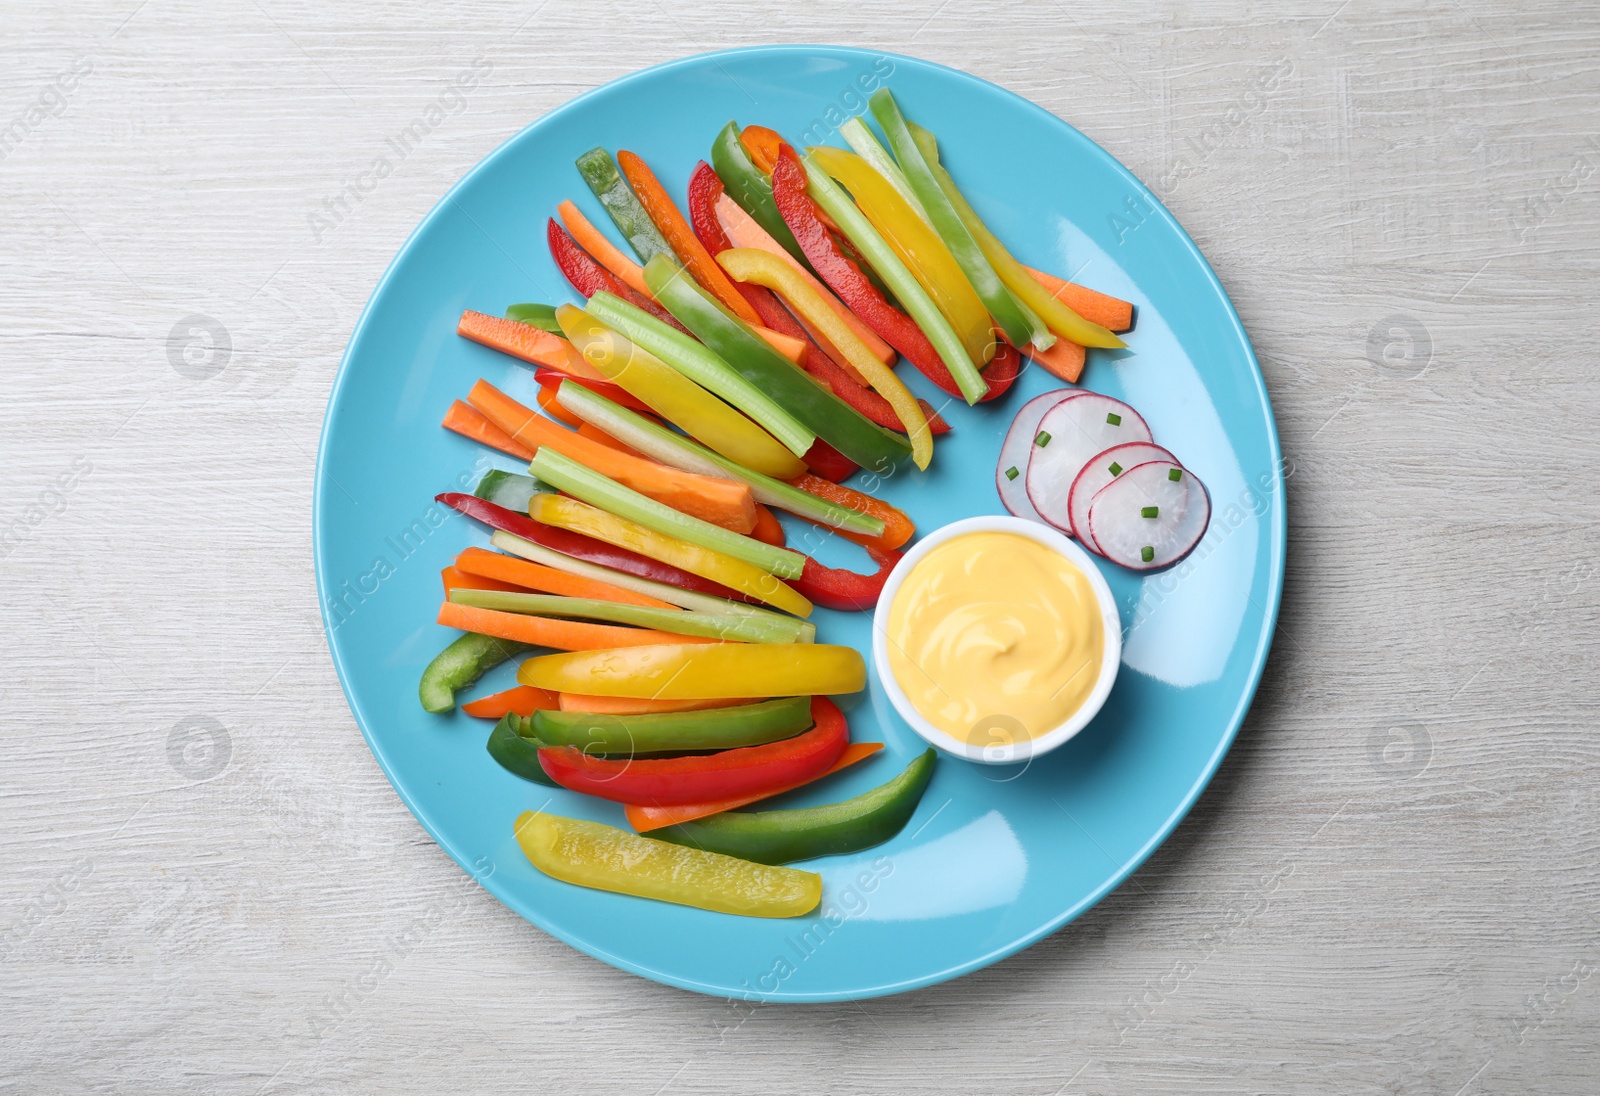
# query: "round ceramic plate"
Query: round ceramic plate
{"points": [[996, 857]]}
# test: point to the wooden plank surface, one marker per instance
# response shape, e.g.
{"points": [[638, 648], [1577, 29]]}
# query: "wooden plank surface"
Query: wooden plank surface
{"points": [[1391, 887]]}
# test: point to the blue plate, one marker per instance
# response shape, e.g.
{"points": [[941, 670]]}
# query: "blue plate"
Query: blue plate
{"points": [[996, 858]]}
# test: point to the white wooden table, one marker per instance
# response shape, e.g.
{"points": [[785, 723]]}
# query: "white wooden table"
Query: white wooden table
{"points": [[209, 887]]}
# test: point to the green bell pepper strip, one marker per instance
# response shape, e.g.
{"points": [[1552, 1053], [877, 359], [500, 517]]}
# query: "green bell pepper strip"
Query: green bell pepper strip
{"points": [[509, 489], [700, 365], [661, 591], [781, 837], [1007, 311], [679, 621], [459, 665], [689, 456], [747, 186], [513, 745], [681, 732], [859, 137], [542, 316], [731, 339], [587, 485], [599, 170], [1055, 315], [921, 307]]}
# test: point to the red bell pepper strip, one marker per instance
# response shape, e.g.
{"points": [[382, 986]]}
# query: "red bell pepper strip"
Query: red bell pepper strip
{"points": [[826, 461], [581, 547], [1001, 371], [836, 588], [588, 277], [670, 781]]}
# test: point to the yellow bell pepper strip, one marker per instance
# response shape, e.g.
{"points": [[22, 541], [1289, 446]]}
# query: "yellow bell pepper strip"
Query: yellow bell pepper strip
{"points": [[735, 574], [748, 265], [1008, 312], [581, 482], [695, 361], [1056, 315], [675, 397], [917, 245], [590, 854], [701, 671]]}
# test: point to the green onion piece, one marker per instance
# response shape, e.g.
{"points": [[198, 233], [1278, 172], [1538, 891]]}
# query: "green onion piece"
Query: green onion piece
{"points": [[542, 316], [1012, 473], [1113, 418], [859, 137], [1150, 512], [656, 441], [898, 277], [1175, 474], [661, 591], [1042, 438], [1147, 553], [678, 621], [599, 170], [699, 364], [566, 474], [1115, 469]]}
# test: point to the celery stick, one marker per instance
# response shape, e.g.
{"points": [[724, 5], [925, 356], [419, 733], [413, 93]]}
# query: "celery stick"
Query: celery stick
{"points": [[590, 486], [689, 456], [677, 621], [661, 591], [700, 365], [859, 137]]}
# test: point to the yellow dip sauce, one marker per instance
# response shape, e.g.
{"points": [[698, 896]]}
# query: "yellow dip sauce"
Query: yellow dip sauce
{"points": [[995, 629]]}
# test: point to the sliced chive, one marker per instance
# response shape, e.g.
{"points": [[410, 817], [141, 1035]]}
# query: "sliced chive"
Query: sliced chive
{"points": [[1042, 438], [1150, 512], [1175, 474], [1114, 419], [1115, 469], [1011, 473], [1147, 553]]}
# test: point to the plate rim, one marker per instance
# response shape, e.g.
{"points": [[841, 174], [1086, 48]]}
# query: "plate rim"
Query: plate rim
{"points": [[1278, 542]]}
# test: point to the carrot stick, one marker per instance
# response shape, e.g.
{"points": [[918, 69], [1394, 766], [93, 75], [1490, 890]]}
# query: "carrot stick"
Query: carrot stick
{"points": [[743, 231], [592, 240], [1064, 360], [527, 575], [768, 529], [1096, 307], [723, 502], [563, 635], [643, 819], [625, 705], [470, 423], [456, 579], [552, 406], [681, 238], [897, 527], [524, 700], [787, 345], [522, 340], [594, 433]]}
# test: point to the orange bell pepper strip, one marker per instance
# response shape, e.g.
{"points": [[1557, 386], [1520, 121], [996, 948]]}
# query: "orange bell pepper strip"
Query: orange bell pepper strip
{"points": [[897, 527], [521, 700]]}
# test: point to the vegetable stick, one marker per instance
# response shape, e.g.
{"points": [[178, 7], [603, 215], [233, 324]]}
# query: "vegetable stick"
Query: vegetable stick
{"points": [[643, 819], [606, 253], [552, 405], [527, 342], [1064, 360], [594, 433], [768, 529], [786, 345], [626, 705], [526, 575], [740, 629], [521, 700], [720, 501], [563, 635], [1109, 312], [743, 231], [610, 391], [454, 578], [897, 527], [471, 423], [690, 251]]}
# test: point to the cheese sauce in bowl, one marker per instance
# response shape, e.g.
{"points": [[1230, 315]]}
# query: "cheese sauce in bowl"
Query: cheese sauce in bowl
{"points": [[997, 639]]}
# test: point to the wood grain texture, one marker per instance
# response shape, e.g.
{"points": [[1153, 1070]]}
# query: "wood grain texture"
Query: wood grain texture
{"points": [[1390, 888]]}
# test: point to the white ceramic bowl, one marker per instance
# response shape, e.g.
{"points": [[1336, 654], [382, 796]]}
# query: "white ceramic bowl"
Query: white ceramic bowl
{"points": [[1003, 747]]}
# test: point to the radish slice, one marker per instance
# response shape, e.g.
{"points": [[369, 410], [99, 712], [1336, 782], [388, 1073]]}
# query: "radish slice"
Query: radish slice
{"points": [[1069, 436], [1101, 470], [1011, 473], [1150, 516]]}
